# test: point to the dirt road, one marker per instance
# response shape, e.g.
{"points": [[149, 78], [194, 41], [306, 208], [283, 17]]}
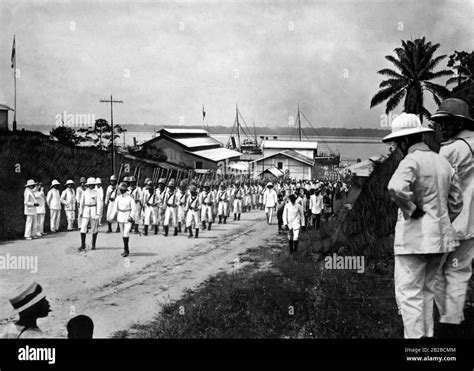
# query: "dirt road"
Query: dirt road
{"points": [[117, 292]]}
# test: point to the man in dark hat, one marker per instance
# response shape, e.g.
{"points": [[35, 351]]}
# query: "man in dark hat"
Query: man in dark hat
{"points": [[30, 304], [453, 278]]}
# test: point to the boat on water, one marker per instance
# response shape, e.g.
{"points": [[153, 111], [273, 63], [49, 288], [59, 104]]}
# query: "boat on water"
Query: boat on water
{"points": [[241, 139]]}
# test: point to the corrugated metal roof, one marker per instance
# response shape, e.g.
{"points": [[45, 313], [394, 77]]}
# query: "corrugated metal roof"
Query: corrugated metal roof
{"points": [[289, 144], [198, 142], [185, 131], [289, 153], [274, 171], [216, 154], [365, 168]]}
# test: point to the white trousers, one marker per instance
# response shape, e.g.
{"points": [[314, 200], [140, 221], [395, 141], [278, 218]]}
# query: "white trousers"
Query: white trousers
{"points": [[70, 216], [30, 225], [181, 214], [237, 206], [452, 282], [269, 213], [40, 223], [94, 224], [293, 234], [171, 213], [55, 217], [206, 213], [414, 291], [125, 228], [223, 208], [193, 216], [150, 215]]}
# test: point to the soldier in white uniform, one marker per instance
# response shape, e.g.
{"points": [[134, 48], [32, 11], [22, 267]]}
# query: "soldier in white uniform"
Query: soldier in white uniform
{"points": [[159, 197], [238, 194], [79, 190], [222, 198], [293, 220], [171, 212], [270, 200], [41, 209], [193, 207], [124, 208], [136, 194], [453, 278], [53, 200], [110, 196], [150, 207], [90, 207], [30, 204], [182, 196], [100, 191], [206, 200], [68, 199]]}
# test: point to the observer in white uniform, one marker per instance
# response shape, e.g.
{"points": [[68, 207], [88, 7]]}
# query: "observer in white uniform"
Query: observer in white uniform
{"points": [[453, 279], [100, 192], [40, 209], [426, 190], [90, 209], [270, 200], [171, 212], [30, 204], [68, 199], [124, 208], [53, 199]]}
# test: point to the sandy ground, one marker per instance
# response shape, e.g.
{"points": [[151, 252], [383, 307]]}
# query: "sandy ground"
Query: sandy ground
{"points": [[117, 292]]}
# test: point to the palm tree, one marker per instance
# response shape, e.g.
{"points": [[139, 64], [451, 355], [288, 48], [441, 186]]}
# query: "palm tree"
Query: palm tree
{"points": [[415, 61], [464, 70]]}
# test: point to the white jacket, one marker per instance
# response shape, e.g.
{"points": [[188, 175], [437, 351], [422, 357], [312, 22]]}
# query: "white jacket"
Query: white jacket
{"points": [[41, 200], [68, 199], [270, 198], [427, 180], [53, 199], [293, 215], [29, 202], [459, 154], [124, 207], [316, 204]]}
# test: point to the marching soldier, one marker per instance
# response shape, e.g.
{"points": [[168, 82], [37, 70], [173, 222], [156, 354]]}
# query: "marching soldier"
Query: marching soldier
{"points": [[136, 194], [293, 220], [110, 196], [123, 209], [53, 200], [270, 200], [100, 191], [182, 196], [215, 189], [30, 209], [223, 203], [159, 197], [238, 195], [79, 190], [150, 208], [193, 207], [206, 201], [68, 199], [89, 211], [171, 212]]}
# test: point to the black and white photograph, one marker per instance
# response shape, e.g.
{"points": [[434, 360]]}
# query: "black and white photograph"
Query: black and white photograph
{"points": [[296, 177]]}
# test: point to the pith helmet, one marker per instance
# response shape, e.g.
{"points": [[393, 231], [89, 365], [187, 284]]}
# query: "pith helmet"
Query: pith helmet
{"points": [[69, 182], [126, 179], [192, 188], [30, 182], [452, 107], [123, 185], [113, 177], [98, 181], [162, 181], [172, 183], [90, 181], [82, 180], [54, 182], [404, 125], [132, 179], [147, 180], [183, 183]]}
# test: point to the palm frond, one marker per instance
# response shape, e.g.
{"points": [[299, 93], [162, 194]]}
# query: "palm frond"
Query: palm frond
{"points": [[382, 95], [394, 101]]}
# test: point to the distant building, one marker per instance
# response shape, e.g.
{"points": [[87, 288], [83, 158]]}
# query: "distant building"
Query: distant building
{"points": [[190, 148], [4, 117], [305, 148], [289, 162]]}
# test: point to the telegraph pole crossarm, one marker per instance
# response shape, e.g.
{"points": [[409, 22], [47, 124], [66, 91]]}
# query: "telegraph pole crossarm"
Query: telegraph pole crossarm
{"points": [[112, 101]]}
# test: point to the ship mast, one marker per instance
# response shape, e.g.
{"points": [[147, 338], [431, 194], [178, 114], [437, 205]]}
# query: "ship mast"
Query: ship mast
{"points": [[299, 123], [238, 126]]}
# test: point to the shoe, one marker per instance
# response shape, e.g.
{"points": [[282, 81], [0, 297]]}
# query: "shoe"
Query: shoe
{"points": [[235, 216], [179, 227], [145, 232], [166, 228], [94, 240], [238, 217], [209, 227], [175, 231], [28, 238], [156, 229], [225, 220], [220, 219], [190, 232], [196, 235], [124, 254], [83, 242]]}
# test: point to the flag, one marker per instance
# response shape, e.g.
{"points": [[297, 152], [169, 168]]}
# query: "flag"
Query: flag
{"points": [[203, 113], [13, 53]]}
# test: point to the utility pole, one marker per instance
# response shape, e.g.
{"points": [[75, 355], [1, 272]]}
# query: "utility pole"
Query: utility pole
{"points": [[299, 123], [112, 101], [238, 125]]}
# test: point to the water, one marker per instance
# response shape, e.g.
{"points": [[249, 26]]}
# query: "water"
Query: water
{"points": [[350, 148]]}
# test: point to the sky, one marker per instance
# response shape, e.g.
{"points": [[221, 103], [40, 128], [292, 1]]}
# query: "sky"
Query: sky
{"points": [[166, 59]]}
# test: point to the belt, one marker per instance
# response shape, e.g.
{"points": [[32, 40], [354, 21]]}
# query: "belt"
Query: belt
{"points": [[90, 205], [124, 210], [238, 198], [172, 205]]}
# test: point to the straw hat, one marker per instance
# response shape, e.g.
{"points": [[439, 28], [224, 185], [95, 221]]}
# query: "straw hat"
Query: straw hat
{"points": [[404, 125], [27, 296]]}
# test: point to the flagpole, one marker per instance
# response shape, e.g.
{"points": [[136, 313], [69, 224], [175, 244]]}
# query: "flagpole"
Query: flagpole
{"points": [[14, 84]]}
